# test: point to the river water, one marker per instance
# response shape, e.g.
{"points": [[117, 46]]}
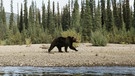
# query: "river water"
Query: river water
{"points": [[67, 71]]}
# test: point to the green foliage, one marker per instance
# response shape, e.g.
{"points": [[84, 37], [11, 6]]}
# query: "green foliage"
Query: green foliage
{"points": [[14, 39], [122, 36], [46, 37], [98, 39], [28, 41], [72, 33]]}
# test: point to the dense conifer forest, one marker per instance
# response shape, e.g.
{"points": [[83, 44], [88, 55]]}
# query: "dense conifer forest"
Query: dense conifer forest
{"points": [[108, 21]]}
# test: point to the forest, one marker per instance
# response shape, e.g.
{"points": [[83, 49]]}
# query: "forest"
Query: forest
{"points": [[108, 21]]}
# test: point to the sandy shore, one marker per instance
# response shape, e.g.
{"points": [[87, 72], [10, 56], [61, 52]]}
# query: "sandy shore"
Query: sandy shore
{"points": [[88, 55]]}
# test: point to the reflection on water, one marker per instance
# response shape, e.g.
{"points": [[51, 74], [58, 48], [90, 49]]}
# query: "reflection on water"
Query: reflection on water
{"points": [[67, 71]]}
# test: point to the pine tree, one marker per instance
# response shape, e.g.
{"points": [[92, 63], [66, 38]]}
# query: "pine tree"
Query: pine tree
{"points": [[18, 17], [65, 20], [87, 23], [115, 14], [120, 17], [92, 9], [109, 20], [82, 13], [76, 17], [3, 27], [44, 16], [134, 16], [58, 16], [97, 17], [20, 27], [103, 17], [11, 22], [126, 14], [50, 21], [25, 14], [38, 17]]}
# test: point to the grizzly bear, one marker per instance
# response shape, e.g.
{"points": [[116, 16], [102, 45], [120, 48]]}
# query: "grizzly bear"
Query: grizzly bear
{"points": [[63, 42]]}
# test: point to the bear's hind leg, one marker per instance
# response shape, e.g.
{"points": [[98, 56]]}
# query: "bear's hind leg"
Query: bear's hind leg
{"points": [[51, 47], [66, 47]]}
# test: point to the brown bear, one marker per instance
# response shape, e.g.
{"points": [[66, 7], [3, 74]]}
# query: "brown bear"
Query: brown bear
{"points": [[63, 42]]}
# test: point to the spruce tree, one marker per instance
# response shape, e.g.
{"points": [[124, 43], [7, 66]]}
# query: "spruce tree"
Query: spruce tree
{"points": [[50, 21], [120, 17], [109, 20], [76, 17], [97, 18], [134, 16], [20, 27], [18, 17], [103, 17], [65, 20], [43, 16], [25, 14], [126, 14], [87, 23], [58, 16], [11, 22], [3, 27]]}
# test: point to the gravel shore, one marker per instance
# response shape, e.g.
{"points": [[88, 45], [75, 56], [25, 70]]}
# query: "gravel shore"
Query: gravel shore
{"points": [[88, 55]]}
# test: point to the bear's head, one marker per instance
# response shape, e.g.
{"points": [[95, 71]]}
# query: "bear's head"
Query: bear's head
{"points": [[73, 39]]}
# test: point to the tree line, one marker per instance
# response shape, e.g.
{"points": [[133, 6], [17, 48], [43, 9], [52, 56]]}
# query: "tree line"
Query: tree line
{"points": [[114, 19]]}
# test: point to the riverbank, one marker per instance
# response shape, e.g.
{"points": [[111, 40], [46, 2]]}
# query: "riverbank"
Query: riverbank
{"points": [[88, 55]]}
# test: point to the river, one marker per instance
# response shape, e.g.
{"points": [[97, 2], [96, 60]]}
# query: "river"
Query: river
{"points": [[67, 71]]}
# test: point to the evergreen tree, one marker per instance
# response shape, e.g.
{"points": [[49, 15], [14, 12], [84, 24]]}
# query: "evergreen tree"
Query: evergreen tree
{"points": [[103, 17], [97, 17], [92, 9], [38, 17], [18, 17], [25, 14], [53, 8], [87, 23], [120, 17], [65, 20], [20, 27], [109, 20], [134, 16], [126, 14], [11, 22], [3, 27], [44, 16], [50, 21], [48, 14], [58, 16], [4, 17], [82, 13], [76, 17]]}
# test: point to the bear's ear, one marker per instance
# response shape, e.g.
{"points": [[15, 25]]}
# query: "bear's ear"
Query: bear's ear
{"points": [[74, 39]]}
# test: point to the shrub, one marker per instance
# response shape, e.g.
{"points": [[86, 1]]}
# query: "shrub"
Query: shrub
{"points": [[98, 39], [72, 33], [28, 41]]}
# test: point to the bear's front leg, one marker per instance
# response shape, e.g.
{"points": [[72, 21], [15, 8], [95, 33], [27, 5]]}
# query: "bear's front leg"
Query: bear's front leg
{"points": [[59, 48], [73, 48]]}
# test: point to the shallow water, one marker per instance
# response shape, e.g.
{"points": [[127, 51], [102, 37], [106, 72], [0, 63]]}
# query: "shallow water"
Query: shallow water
{"points": [[67, 71]]}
